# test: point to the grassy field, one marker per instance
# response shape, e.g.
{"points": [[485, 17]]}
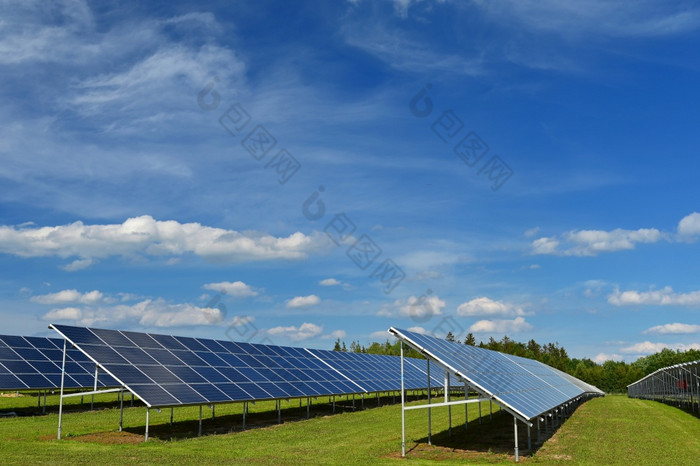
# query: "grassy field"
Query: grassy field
{"points": [[607, 430]]}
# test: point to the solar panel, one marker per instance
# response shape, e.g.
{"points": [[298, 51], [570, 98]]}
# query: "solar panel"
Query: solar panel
{"points": [[526, 386], [166, 370], [34, 363]]}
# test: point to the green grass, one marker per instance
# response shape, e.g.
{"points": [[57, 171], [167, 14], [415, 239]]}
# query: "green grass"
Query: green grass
{"points": [[607, 430]]}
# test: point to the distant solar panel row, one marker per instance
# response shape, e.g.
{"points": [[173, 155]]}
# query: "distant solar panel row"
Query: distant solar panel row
{"points": [[166, 370], [528, 387], [35, 363]]}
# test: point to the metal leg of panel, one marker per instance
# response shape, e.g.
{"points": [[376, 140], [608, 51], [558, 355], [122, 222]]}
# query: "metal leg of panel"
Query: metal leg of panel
{"points": [[308, 408], [353, 402], [43, 411], [403, 406], [60, 400], [334, 405], [529, 438], [538, 429], [121, 410], [213, 411], [199, 431], [172, 415], [430, 414], [490, 410], [515, 431], [148, 420], [480, 412]]}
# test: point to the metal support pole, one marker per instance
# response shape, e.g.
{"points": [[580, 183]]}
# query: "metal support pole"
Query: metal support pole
{"points": [[334, 404], [490, 410], [92, 400], [279, 412], [148, 420], [480, 412], [529, 438], [379, 403], [515, 431], [172, 415], [43, 411], [466, 407], [430, 420], [60, 401], [403, 406], [447, 399], [132, 399], [213, 411], [363, 401], [245, 406], [199, 432], [308, 407], [353, 402], [538, 429], [121, 410]]}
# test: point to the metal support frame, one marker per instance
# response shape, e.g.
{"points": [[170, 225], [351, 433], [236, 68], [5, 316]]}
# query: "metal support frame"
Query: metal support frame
{"points": [[245, 408], [466, 406], [403, 406], [148, 419], [60, 401], [430, 395], [121, 410], [199, 431], [515, 430], [447, 400]]}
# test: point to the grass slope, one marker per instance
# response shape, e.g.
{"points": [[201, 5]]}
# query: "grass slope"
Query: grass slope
{"points": [[603, 431]]}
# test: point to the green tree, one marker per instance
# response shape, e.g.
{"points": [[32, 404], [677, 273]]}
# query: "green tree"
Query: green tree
{"points": [[470, 340]]}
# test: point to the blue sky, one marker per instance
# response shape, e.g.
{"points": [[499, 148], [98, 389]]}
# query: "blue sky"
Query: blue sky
{"points": [[294, 172]]}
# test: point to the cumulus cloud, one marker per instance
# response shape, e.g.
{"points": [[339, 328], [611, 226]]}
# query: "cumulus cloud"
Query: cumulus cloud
{"points": [[663, 297], [647, 347], [420, 330], [484, 306], [237, 288], [303, 301], [422, 307], [600, 358], [674, 328], [501, 326], [147, 313], [69, 296], [689, 226], [329, 282], [335, 334], [305, 331], [594, 242], [145, 236]]}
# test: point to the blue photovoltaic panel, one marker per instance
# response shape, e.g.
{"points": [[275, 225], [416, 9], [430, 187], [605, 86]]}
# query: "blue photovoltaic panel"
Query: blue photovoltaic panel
{"points": [[34, 363], [167, 370], [524, 385]]}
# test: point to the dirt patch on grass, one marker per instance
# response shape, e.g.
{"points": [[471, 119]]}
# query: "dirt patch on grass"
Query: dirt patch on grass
{"points": [[11, 395], [110, 438]]}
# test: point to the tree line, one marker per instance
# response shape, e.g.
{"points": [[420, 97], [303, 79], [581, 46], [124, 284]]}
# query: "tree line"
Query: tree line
{"points": [[610, 376]]}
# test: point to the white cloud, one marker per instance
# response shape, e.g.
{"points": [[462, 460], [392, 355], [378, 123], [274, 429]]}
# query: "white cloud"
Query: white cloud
{"points": [[379, 335], [303, 301], [422, 307], [69, 296], [501, 326], [66, 313], [689, 226], [583, 18], [145, 236], [484, 306], [237, 288], [647, 347], [674, 328], [335, 334], [663, 297], [420, 330], [303, 332], [529, 233], [329, 282], [600, 358], [594, 242], [148, 313]]}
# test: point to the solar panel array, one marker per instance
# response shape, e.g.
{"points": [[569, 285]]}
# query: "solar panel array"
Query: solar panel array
{"points": [[528, 387], [166, 370], [35, 363]]}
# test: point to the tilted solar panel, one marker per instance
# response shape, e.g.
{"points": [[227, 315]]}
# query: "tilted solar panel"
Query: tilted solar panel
{"points": [[34, 363], [526, 386], [166, 370]]}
